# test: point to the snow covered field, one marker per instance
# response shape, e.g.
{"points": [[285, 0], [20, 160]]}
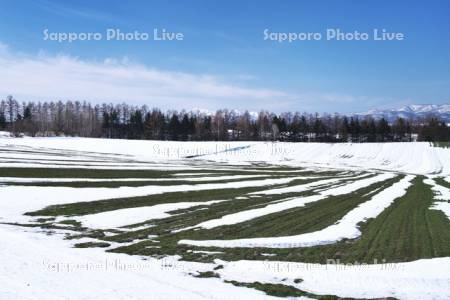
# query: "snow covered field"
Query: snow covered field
{"points": [[416, 158], [122, 219]]}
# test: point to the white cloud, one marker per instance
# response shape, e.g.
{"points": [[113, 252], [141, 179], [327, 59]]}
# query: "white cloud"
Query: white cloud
{"points": [[62, 77]]}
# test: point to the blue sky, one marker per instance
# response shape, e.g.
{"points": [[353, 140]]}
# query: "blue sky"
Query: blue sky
{"points": [[223, 60]]}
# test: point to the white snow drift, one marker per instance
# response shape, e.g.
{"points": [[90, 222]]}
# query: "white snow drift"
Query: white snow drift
{"points": [[416, 158], [38, 266], [416, 280], [442, 195], [135, 215]]}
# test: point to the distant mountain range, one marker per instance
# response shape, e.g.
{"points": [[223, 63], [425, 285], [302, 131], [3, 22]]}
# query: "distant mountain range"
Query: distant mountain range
{"points": [[411, 112], [415, 111]]}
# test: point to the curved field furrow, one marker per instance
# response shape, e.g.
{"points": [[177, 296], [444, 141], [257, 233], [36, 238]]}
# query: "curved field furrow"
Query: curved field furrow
{"points": [[293, 203], [237, 212], [346, 228]]}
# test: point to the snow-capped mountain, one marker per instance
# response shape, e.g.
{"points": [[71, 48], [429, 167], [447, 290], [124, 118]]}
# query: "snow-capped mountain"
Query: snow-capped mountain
{"points": [[412, 112]]}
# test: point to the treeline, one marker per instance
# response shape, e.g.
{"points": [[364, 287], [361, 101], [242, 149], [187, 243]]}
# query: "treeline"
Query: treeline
{"points": [[123, 121]]}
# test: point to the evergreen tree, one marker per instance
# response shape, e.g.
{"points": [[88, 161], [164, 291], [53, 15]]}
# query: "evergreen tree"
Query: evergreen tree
{"points": [[174, 127], [383, 129], [136, 125], [2, 120], [185, 127], [344, 130]]}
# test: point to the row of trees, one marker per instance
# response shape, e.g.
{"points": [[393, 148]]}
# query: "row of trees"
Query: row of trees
{"points": [[132, 122]]}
